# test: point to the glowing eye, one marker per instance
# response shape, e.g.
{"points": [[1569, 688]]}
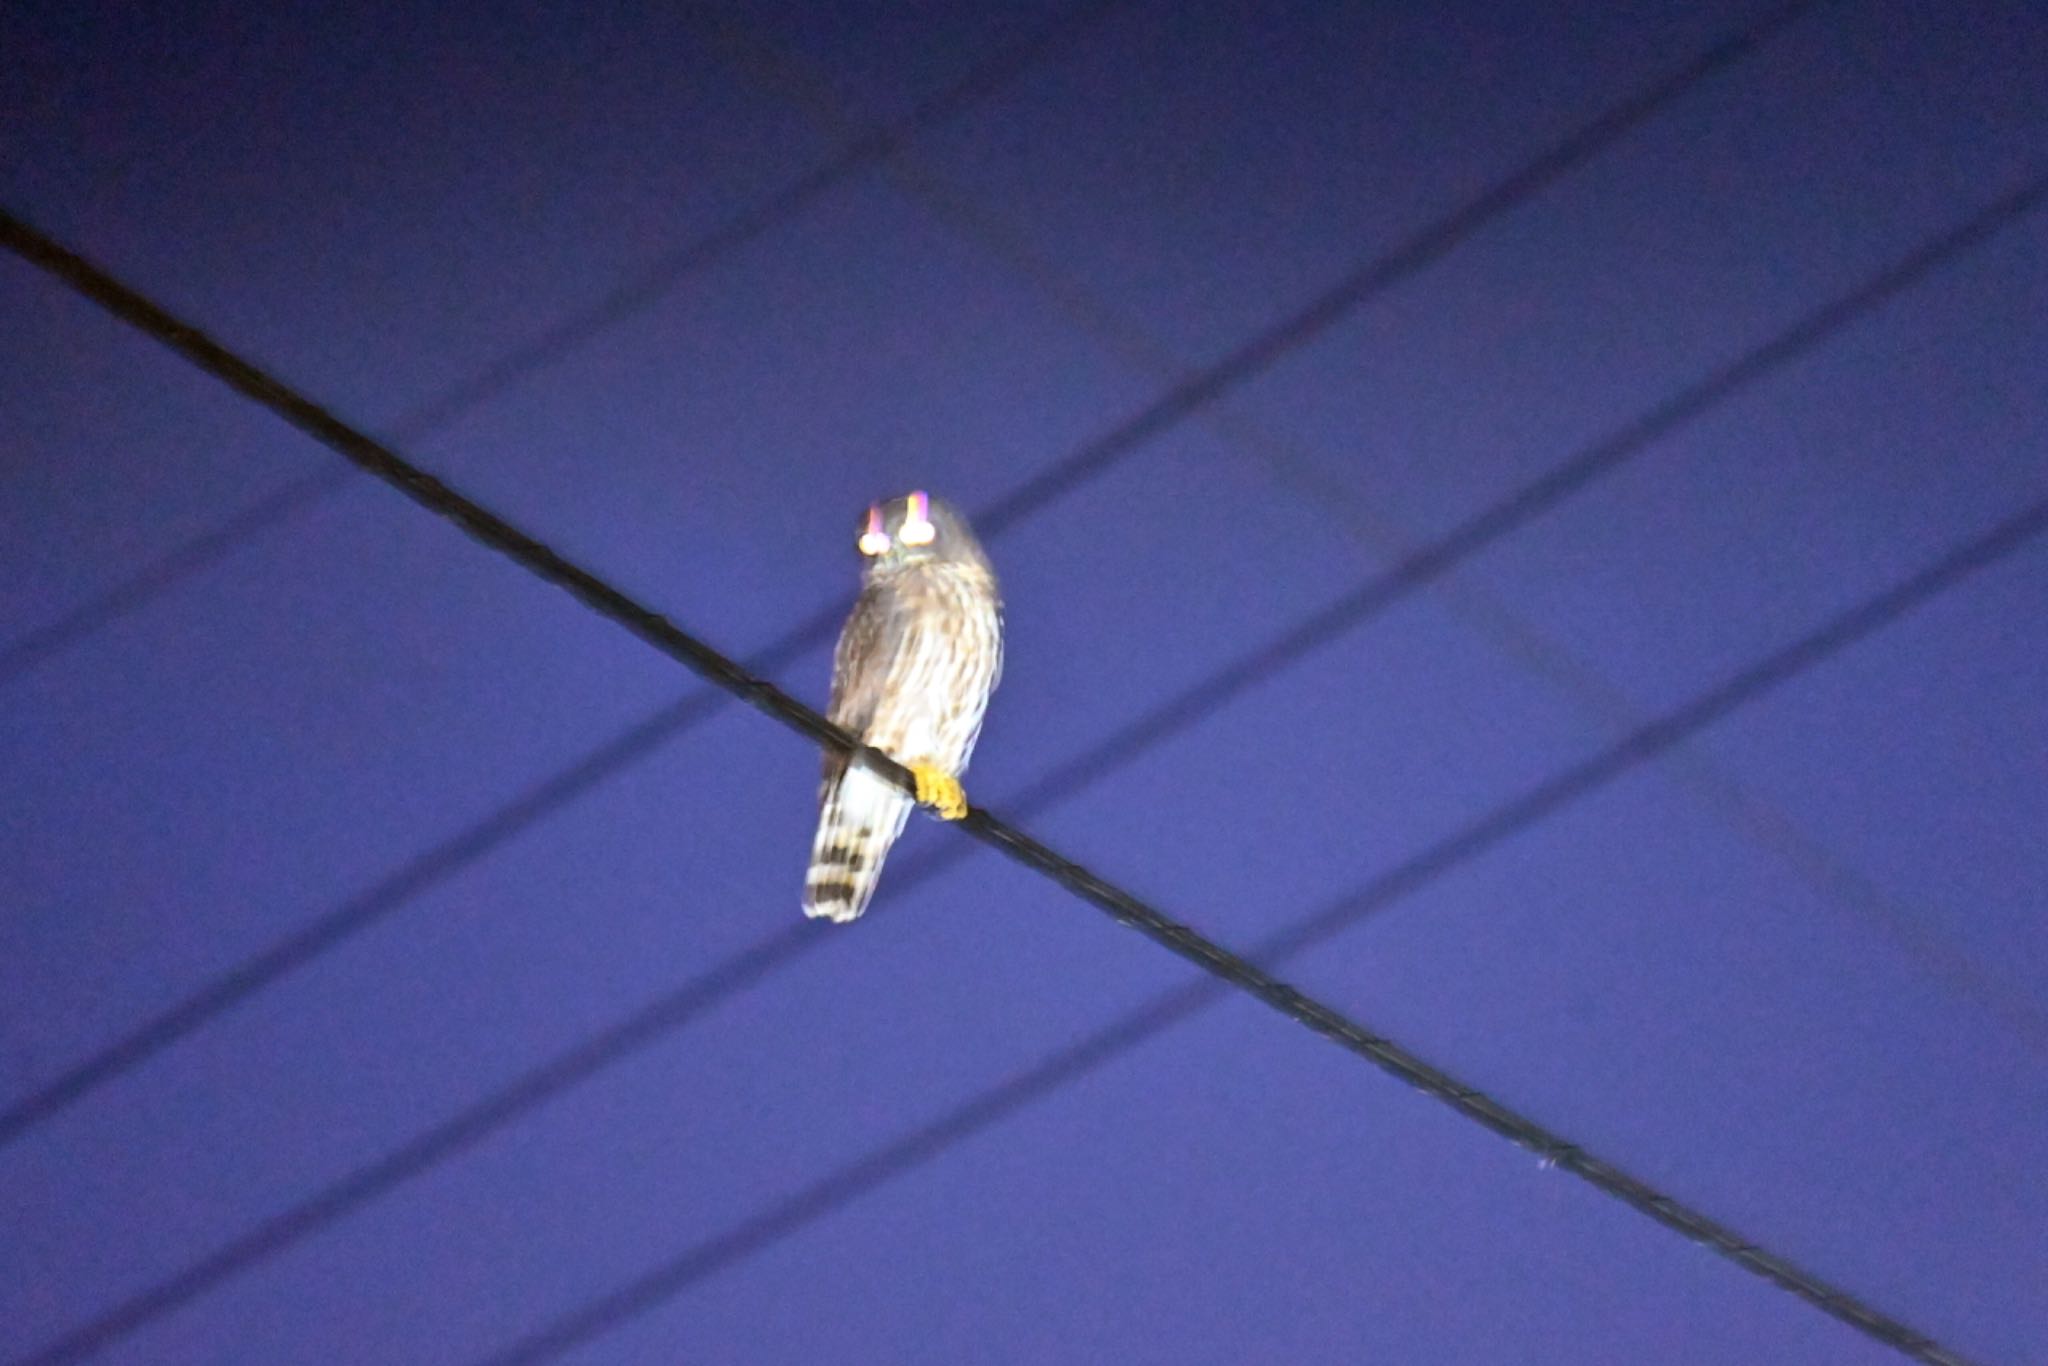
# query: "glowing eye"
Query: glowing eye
{"points": [[917, 528], [874, 540]]}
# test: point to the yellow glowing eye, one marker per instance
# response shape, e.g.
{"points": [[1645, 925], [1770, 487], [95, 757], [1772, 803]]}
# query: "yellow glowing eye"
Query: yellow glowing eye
{"points": [[917, 526], [874, 540]]}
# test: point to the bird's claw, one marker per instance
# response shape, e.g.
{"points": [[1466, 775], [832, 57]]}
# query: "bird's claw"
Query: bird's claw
{"points": [[940, 791]]}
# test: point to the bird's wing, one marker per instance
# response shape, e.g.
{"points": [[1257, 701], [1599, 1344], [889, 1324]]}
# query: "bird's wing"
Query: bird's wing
{"points": [[877, 630]]}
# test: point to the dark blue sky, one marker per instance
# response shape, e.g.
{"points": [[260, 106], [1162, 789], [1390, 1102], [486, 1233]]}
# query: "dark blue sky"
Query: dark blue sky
{"points": [[614, 271]]}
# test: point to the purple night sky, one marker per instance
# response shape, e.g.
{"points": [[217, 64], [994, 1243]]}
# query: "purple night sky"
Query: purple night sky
{"points": [[543, 1045]]}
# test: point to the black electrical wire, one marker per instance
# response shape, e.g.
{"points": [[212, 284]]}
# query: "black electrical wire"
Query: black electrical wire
{"points": [[841, 1187], [1175, 405], [1219, 961], [637, 292]]}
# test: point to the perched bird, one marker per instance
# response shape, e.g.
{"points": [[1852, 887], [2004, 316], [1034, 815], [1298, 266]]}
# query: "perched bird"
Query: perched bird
{"points": [[911, 677]]}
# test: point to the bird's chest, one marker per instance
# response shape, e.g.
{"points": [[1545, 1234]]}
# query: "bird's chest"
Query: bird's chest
{"points": [[946, 621], [942, 665]]}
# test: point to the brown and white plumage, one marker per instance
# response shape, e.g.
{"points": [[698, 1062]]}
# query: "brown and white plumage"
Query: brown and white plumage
{"points": [[912, 676]]}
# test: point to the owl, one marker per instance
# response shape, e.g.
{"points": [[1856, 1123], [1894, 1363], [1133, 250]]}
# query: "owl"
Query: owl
{"points": [[912, 675]]}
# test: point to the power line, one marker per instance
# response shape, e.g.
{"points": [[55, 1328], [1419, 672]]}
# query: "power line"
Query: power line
{"points": [[356, 914], [1188, 396], [440, 1144], [173, 567], [847, 1183], [1227, 966], [1423, 249], [1043, 44], [640, 290]]}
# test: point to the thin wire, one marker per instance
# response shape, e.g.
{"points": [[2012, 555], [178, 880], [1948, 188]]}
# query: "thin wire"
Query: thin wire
{"points": [[442, 1143], [1177, 404], [413, 878], [1043, 44], [631, 296], [171, 568], [1227, 966], [1426, 247]]}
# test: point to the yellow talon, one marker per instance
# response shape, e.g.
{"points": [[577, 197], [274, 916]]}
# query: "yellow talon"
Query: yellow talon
{"points": [[940, 791]]}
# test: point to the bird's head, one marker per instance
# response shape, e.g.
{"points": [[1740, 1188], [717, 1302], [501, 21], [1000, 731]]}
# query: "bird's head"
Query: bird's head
{"points": [[915, 529]]}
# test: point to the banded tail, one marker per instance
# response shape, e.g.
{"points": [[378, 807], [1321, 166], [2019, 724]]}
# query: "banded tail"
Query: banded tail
{"points": [[862, 816]]}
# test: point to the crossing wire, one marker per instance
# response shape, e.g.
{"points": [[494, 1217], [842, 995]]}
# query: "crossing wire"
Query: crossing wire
{"points": [[1188, 396], [1229, 967]]}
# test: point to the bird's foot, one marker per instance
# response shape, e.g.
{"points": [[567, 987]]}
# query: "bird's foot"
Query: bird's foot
{"points": [[940, 791]]}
